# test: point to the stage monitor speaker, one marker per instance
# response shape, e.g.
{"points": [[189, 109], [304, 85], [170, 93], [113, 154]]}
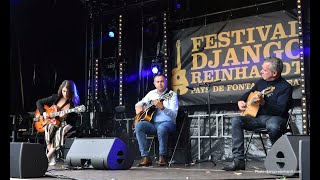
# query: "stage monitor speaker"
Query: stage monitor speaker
{"points": [[283, 157], [101, 153], [304, 156], [67, 145], [27, 160]]}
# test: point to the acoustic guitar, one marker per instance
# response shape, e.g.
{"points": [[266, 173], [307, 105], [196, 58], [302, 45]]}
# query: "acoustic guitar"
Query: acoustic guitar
{"points": [[179, 80], [253, 107], [52, 112], [147, 113]]}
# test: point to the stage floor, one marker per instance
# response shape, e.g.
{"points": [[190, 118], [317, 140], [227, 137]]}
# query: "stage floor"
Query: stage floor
{"points": [[205, 170]]}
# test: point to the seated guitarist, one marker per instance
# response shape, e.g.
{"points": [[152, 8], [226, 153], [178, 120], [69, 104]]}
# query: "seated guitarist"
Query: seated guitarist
{"points": [[162, 123], [66, 98], [272, 113]]}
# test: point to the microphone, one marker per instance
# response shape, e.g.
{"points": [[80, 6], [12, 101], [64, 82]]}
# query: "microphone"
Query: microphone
{"points": [[190, 87], [213, 82], [208, 84], [201, 85]]}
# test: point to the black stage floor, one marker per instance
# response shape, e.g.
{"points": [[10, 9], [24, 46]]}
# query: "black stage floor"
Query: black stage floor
{"points": [[205, 170]]}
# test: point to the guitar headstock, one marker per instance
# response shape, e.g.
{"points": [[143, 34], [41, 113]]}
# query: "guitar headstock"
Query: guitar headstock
{"points": [[167, 96], [178, 44], [268, 90], [81, 108]]}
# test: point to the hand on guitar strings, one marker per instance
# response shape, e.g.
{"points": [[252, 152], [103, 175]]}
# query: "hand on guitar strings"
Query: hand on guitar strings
{"points": [[63, 116], [158, 104], [139, 109], [258, 99], [242, 105], [45, 115]]}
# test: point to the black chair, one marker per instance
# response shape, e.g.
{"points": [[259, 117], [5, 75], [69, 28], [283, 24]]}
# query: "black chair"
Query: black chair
{"points": [[183, 144], [122, 124], [260, 132], [155, 144], [174, 140], [264, 131], [120, 110]]}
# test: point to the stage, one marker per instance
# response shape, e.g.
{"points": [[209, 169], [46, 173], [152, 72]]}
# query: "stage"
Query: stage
{"points": [[205, 170], [198, 46]]}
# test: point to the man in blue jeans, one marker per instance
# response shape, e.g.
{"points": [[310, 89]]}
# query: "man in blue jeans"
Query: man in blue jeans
{"points": [[161, 106], [272, 108]]}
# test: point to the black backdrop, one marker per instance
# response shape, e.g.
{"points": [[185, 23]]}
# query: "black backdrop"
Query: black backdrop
{"points": [[47, 40], [46, 47]]}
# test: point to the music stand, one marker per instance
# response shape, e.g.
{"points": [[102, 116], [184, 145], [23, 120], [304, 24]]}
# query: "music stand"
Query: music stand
{"points": [[209, 117]]}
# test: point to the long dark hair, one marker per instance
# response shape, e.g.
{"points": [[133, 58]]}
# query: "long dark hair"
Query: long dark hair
{"points": [[72, 91]]}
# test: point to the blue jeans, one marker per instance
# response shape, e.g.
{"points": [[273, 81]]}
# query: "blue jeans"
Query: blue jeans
{"points": [[162, 129], [275, 124]]}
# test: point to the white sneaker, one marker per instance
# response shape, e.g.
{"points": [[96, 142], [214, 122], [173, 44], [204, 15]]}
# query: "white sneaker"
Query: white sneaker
{"points": [[52, 161]]}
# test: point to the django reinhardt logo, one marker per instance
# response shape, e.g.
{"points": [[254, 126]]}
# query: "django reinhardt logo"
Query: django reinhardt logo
{"points": [[179, 80]]}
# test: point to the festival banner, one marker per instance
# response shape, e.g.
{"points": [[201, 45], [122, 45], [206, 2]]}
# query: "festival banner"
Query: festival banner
{"points": [[226, 57]]}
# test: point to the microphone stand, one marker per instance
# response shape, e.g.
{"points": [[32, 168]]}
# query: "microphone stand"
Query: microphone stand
{"points": [[210, 159]]}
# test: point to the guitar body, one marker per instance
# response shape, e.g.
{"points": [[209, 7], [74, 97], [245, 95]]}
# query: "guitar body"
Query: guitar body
{"points": [[179, 81], [42, 122], [252, 109], [145, 115]]}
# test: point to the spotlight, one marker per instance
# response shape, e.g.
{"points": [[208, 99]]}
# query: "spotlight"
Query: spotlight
{"points": [[181, 4], [112, 30], [156, 68], [111, 34]]}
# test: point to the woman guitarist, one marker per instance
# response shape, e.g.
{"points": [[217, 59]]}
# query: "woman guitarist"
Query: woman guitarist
{"points": [[55, 133]]}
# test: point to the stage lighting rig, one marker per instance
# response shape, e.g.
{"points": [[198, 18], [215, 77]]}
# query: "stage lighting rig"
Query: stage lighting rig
{"points": [[156, 66]]}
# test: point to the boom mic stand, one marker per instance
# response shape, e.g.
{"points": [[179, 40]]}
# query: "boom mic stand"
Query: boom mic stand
{"points": [[210, 159]]}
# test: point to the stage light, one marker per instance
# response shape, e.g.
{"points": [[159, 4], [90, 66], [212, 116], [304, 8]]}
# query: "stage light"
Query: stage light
{"points": [[111, 34], [165, 55], [112, 30], [181, 5], [156, 68], [121, 63], [151, 25]]}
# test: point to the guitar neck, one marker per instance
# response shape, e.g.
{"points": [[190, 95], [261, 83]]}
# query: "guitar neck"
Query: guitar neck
{"points": [[54, 114], [178, 45], [149, 106], [166, 96]]}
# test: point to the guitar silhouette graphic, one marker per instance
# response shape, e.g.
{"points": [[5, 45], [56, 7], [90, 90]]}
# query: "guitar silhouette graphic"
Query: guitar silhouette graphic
{"points": [[179, 80]]}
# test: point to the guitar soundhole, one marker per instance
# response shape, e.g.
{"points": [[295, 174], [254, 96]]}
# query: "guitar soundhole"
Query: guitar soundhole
{"points": [[178, 77]]}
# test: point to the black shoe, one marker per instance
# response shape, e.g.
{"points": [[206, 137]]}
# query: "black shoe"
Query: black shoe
{"points": [[162, 161], [235, 166]]}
